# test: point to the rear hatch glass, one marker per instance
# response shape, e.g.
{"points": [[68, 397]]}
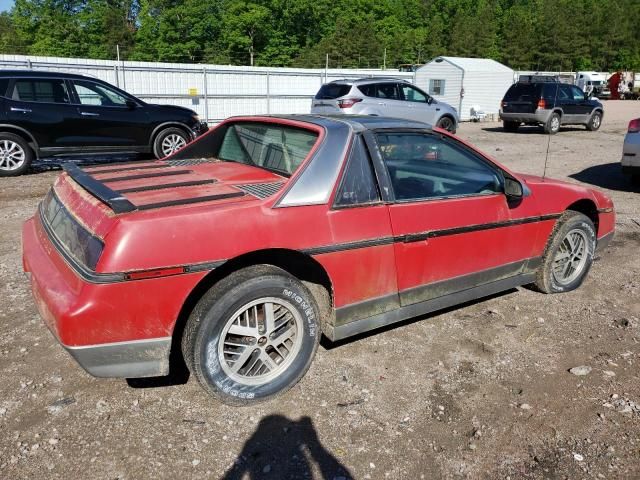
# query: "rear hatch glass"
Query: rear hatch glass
{"points": [[521, 98], [331, 91]]}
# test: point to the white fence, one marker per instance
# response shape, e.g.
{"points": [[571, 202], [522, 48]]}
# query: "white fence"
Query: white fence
{"points": [[214, 91]]}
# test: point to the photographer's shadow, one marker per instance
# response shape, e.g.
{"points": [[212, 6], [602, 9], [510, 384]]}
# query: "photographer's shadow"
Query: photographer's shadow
{"points": [[281, 448]]}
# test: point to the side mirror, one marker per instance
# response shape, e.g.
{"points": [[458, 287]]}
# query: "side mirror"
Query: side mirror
{"points": [[131, 104], [513, 189]]}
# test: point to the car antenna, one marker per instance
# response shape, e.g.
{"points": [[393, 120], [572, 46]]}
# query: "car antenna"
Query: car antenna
{"points": [[546, 157]]}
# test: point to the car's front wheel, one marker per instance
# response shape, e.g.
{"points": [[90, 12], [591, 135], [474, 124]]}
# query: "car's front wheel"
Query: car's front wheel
{"points": [[568, 255], [15, 155], [447, 123], [594, 122], [252, 336], [169, 141]]}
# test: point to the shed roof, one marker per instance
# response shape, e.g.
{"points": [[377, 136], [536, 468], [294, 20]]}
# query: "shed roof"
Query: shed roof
{"points": [[473, 64]]}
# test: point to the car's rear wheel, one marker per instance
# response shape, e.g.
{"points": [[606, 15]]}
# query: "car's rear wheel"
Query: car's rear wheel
{"points": [[447, 123], [510, 126], [553, 124], [595, 122], [15, 155], [568, 255], [169, 141], [252, 336]]}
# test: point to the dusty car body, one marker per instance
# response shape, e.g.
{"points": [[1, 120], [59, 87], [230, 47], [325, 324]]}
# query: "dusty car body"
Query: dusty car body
{"points": [[246, 245]]}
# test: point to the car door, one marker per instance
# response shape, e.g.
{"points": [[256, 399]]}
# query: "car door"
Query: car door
{"points": [[570, 109], [42, 106], [451, 220], [581, 104], [390, 100], [108, 118], [418, 104]]}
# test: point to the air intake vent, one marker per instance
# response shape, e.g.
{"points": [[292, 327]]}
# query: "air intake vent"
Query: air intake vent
{"points": [[189, 161], [260, 190]]}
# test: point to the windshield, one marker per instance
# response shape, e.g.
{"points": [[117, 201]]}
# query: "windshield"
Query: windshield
{"points": [[277, 148]]}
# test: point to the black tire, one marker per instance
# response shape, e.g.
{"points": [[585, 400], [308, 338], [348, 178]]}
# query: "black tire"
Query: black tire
{"points": [[10, 164], [447, 123], [553, 124], [214, 315], [168, 133], [594, 122], [546, 280], [510, 126]]}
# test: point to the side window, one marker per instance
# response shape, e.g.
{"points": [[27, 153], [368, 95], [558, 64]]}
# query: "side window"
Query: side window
{"points": [[565, 92], [358, 186], [4, 84], [91, 93], [368, 90], [42, 91], [436, 87], [578, 94], [387, 90], [423, 166], [412, 94]]}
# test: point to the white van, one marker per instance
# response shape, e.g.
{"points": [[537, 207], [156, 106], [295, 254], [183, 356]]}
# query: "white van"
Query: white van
{"points": [[593, 83]]}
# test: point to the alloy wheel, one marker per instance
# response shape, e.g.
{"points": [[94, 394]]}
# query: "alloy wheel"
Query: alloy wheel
{"points": [[446, 124], [172, 143], [555, 124], [596, 121], [12, 155], [260, 341], [571, 257]]}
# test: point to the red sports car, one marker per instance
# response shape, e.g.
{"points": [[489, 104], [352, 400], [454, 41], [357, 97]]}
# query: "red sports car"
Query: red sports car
{"points": [[245, 246]]}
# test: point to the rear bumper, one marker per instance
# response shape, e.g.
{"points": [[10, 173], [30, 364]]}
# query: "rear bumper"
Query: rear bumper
{"points": [[540, 116], [118, 329]]}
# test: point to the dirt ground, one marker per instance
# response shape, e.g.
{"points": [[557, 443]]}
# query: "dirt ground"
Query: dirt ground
{"points": [[481, 391]]}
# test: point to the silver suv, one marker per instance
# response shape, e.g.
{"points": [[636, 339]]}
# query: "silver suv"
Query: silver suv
{"points": [[388, 97]]}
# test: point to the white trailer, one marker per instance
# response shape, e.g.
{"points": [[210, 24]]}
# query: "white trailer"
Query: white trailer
{"points": [[467, 84]]}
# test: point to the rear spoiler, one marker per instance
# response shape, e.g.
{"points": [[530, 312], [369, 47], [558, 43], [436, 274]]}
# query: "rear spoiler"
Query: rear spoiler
{"points": [[120, 204], [113, 199]]}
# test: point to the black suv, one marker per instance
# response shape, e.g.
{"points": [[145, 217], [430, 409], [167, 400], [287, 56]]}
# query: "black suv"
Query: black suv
{"points": [[47, 114], [547, 102]]}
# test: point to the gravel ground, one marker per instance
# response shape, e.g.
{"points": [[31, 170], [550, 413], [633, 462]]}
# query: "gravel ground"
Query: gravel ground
{"points": [[480, 391]]}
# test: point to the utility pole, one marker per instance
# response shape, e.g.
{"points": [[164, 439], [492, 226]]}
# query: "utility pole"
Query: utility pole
{"points": [[326, 68], [251, 55], [384, 59]]}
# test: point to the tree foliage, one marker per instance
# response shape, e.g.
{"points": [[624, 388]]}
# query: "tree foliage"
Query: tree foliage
{"points": [[524, 34]]}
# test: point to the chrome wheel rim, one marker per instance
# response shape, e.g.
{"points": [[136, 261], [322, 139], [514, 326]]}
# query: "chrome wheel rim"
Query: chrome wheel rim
{"points": [[12, 155], [260, 341], [571, 257], [596, 121], [172, 143], [555, 124]]}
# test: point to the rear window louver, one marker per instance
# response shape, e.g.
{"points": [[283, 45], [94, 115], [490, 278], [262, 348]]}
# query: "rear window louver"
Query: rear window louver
{"points": [[260, 190], [189, 161]]}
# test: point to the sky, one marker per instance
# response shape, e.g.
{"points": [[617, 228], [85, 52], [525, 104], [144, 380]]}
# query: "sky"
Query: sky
{"points": [[5, 5]]}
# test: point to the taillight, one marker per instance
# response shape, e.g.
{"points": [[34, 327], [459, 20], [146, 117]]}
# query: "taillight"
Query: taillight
{"points": [[634, 126], [542, 103], [348, 102]]}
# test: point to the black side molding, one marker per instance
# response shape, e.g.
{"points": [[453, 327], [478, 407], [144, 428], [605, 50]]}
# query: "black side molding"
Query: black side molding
{"points": [[113, 199]]}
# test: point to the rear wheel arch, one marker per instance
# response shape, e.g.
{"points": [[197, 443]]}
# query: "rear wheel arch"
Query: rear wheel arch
{"points": [[297, 264]]}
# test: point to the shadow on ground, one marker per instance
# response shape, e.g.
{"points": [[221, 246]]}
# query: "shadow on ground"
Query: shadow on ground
{"points": [[282, 448], [608, 175], [533, 129]]}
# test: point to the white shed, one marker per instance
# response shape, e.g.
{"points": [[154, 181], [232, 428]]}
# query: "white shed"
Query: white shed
{"points": [[466, 83]]}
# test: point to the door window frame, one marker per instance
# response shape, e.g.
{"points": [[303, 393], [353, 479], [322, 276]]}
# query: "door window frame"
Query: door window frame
{"points": [[76, 97], [384, 179], [426, 95]]}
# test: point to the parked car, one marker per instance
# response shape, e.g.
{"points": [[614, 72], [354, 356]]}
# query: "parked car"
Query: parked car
{"points": [[270, 231], [550, 104], [46, 114], [631, 151], [384, 97]]}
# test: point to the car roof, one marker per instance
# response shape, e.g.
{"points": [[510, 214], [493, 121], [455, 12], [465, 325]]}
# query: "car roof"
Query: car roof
{"points": [[357, 122], [41, 73], [368, 80]]}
